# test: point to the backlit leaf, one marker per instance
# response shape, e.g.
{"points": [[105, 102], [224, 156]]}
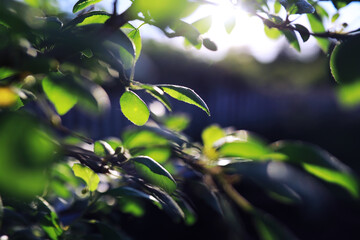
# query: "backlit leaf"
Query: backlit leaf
{"points": [[203, 24], [62, 99], [134, 108], [230, 24], [154, 173], [185, 94], [81, 4], [318, 27], [89, 176]]}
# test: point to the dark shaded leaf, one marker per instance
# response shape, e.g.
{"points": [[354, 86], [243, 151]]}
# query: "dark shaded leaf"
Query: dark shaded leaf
{"points": [[209, 44], [304, 32]]}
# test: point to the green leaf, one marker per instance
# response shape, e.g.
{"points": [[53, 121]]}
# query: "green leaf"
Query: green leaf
{"points": [[319, 163], [63, 100], [154, 173], [230, 24], [94, 19], [159, 94], [81, 4], [134, 108], [277, 6], [25, 156], [89, 176], [103, 149], [348, 95], [345, 180], [211, 134], [304, 32], [335, 17], [134, 35], [292, 39], [272, 33], [203, 25], [249, 150], [343, 65], [318, 27], [185, 94], [177, 122], [209, 44]]}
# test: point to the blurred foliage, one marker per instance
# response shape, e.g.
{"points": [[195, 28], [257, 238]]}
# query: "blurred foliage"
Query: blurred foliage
{"points": [[58, 184]]}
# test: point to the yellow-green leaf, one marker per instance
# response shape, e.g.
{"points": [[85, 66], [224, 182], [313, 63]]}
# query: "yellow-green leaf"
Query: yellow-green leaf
{"points": [[89, 176], [134, 108], [63, 100]]}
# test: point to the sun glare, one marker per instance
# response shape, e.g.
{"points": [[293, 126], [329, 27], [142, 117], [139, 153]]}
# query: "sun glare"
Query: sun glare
{"points": [[247, 32]]}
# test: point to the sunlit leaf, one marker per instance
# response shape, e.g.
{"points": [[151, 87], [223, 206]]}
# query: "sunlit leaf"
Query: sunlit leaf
{"points": [[158, 93], [89, 176], [203, 24], [177, 122], [277, 6], [230, 24], [345, 180], [185, 94], [134, 108], [81, 4], [335, 17], [154, 173], [93, 18], [272, 33], [63, 100], [349, 95], [103, 149], [243, 149], [211, 134], [318, 27], [134, 35]]}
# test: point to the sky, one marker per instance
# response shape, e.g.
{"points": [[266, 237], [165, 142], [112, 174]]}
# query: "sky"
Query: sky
{"points": [[248, 34]]}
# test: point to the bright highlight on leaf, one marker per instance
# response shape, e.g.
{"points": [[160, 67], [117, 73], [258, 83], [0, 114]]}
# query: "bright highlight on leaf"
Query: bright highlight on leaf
{"points": [[134, 108], [81, 4], [203, 24], [230, 24], [63, 100], [154, 173], [185, 94], [89, 176], [342, 179]]}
